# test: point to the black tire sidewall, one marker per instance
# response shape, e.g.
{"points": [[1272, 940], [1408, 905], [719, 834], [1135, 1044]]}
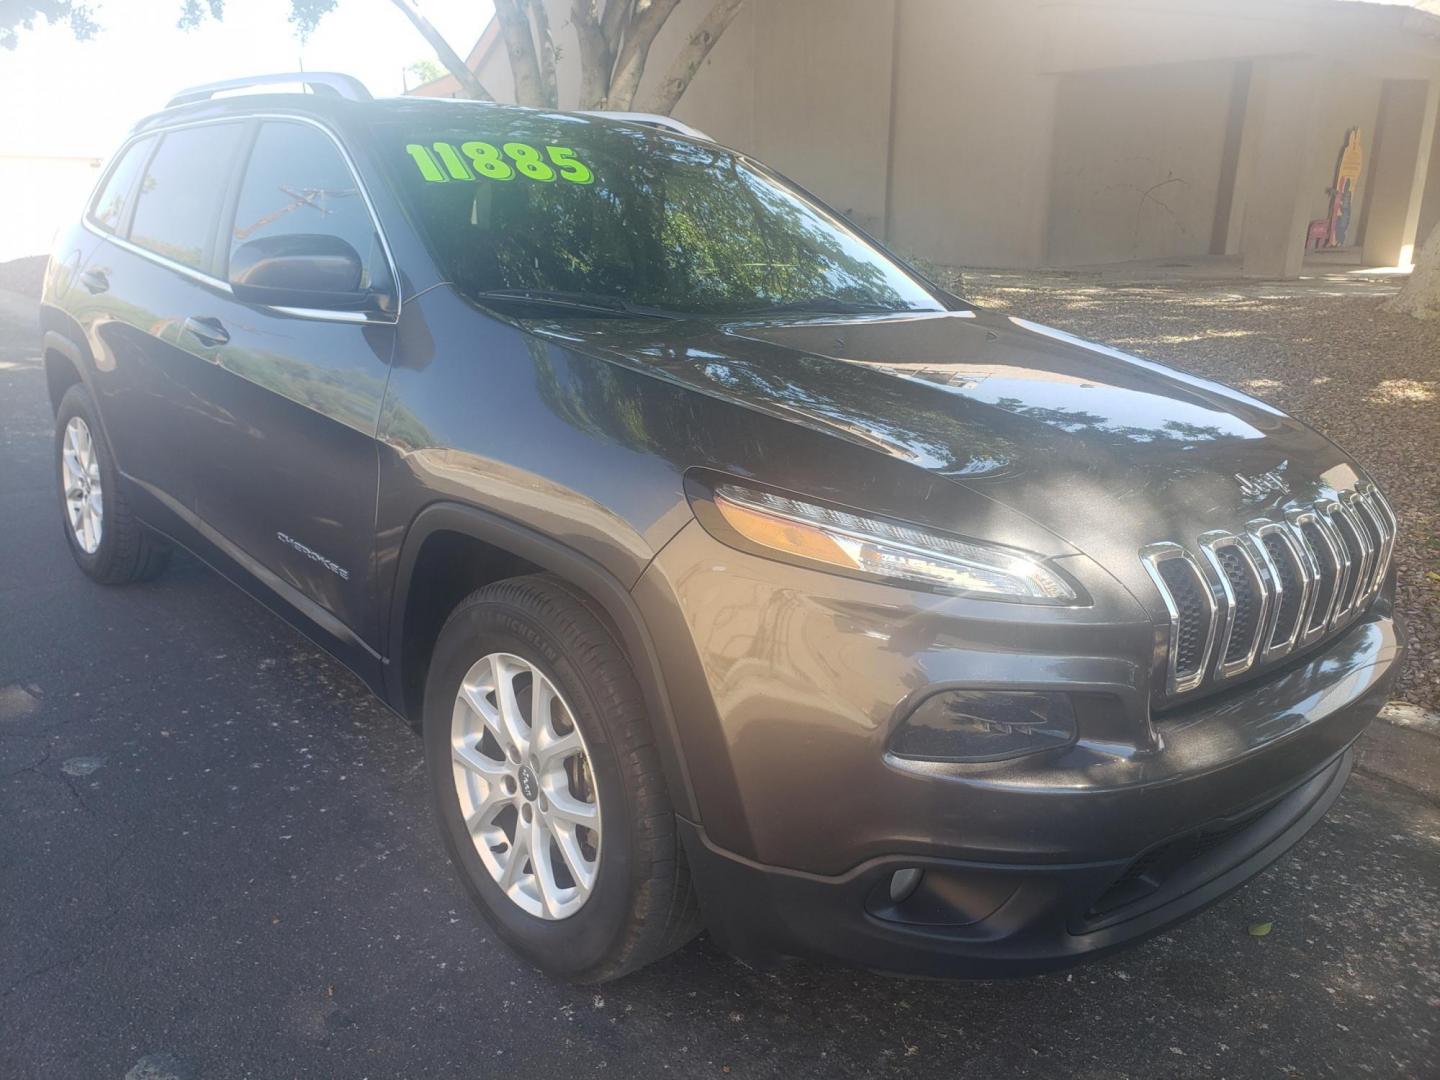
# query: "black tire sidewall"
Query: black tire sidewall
{"points": [[98, 565], [566, 947]]}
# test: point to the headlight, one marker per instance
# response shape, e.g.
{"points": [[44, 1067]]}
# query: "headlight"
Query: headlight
{"points": [[812, 533]]}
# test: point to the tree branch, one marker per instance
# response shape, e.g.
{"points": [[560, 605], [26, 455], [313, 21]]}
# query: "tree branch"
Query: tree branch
{"points": [[548, 54], [687, 62], [640, 31], [520, 45], [613, 23], [596, 55], [467, 79]]}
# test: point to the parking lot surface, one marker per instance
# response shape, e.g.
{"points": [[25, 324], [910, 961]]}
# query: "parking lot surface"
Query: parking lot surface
{"points": [[217, 860]]}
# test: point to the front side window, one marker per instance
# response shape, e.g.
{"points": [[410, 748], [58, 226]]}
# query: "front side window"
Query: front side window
{"points": [[110, 205], [601, 211], [178, 205], [297, 184]]}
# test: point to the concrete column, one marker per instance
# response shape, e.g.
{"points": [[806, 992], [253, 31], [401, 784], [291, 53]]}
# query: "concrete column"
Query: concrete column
{"points": [[1225, 231], [1430, 204], [1397, 174], [1280, 139]]}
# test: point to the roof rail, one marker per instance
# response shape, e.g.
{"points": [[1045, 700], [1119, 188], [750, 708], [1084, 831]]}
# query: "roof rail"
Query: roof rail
{"points": [[667, 123], [321, 82]]}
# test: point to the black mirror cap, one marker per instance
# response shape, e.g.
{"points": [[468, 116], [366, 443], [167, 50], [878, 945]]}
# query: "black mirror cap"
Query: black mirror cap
{"points": [[305, 270]]}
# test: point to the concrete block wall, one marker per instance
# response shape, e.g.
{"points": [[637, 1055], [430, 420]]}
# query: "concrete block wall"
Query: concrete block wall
{"points": [[1017, 133]]}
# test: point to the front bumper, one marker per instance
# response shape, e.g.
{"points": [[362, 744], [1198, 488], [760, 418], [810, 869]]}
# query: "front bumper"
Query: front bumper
{"points": [[999, 921], [1028, 864]]}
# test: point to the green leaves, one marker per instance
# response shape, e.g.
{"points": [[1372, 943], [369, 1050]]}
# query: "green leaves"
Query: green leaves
{"points": [[24, 14], [1260, 929]]}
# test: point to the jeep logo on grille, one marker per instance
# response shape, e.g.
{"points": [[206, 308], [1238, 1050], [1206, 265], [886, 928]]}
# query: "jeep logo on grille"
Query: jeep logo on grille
{"points": [[1261, 483]]}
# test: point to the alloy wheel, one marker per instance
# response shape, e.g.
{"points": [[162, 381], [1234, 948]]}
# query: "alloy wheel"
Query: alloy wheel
{"points": [[526, 786], [80, 474]]}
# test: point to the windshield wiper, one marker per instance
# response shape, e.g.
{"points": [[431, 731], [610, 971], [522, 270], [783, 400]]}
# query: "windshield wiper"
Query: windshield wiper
{"points": [[579, 301], [830, 305]]}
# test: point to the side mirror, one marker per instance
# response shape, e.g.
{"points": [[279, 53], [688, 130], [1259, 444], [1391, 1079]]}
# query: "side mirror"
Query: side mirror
{"points": [[306, 270]]}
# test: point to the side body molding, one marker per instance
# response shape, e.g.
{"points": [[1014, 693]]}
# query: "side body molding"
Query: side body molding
{"points": [[582, 572]]}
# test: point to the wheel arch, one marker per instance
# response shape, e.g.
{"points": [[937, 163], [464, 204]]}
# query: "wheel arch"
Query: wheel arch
{"points": [[69, 362], [64, 365], [519, 549]]}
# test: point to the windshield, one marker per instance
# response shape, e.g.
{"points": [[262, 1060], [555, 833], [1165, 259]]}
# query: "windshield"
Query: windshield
{"points": [[582, 212]]}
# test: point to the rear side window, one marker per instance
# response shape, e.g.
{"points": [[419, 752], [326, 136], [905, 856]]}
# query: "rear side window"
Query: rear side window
{"points": [[179, 201], [297, 182], [110, 205]]}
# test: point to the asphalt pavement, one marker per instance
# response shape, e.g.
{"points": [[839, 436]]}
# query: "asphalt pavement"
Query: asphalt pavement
{"points": [[217, 860]]}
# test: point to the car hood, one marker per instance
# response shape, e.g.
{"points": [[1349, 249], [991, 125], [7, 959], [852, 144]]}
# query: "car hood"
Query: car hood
{"points": [[1104, 449]]}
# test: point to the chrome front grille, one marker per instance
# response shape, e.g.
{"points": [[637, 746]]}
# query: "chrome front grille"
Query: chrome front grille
{"points": [[1258, 595]]}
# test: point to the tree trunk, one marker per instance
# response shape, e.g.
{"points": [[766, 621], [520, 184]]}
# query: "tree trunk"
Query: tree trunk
{"points": [[548, 54], [677, 80], [613, 23], [640, 33], [1420, 296], [614, 36], [520, 47], [469, 82], [597, 55]]}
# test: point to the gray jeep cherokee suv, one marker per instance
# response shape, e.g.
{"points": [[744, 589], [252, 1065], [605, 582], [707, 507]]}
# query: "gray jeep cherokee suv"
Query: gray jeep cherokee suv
{"points": [[737, 575]]}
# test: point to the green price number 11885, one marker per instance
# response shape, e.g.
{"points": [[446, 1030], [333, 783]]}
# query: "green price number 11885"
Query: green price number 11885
{"points": [[442, 161]]}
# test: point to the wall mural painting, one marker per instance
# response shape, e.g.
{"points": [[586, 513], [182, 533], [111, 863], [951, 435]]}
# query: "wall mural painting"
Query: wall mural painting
{"points": [[1331, 231]]}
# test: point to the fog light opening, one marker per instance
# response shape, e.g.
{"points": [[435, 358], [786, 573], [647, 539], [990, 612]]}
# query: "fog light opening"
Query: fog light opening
{"points": [[903, 884], [985, 725]]}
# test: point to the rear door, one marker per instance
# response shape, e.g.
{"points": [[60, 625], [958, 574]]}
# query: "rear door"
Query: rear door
{"points": [[290, 485], [158, 214]]}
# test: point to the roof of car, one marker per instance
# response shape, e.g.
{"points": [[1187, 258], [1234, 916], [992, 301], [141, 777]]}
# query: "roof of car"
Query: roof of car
{"points": [[344, 100], [321, 107]]}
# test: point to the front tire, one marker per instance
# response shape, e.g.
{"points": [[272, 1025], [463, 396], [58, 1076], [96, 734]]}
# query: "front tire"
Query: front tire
{"points": [[106, 539], [548, 784]]}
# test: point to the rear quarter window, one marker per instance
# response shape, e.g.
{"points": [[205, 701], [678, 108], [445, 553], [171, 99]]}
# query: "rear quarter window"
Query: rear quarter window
{"points": [[114, 197], [178, 205]]}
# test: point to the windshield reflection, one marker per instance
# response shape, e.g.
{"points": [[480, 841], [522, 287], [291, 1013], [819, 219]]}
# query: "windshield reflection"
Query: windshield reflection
{"points": [[666, 222]]}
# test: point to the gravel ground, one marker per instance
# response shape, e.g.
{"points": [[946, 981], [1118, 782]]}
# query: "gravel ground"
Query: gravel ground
{"points": [[1320, 349]]}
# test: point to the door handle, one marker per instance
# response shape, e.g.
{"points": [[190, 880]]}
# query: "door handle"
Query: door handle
{"points": [[206, 330], [95, 281]]}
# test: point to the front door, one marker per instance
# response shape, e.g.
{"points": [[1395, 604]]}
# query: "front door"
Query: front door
{"points": [[291, 480]]}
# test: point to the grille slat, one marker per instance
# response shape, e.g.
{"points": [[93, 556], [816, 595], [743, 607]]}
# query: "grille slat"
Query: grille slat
{"points": [[1357, 549], [1190, 602], [1246, 601], [1327, 561], [1363, 507], [1290, 587], [1186, 589], [1247, 607], [1256, 596]]}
